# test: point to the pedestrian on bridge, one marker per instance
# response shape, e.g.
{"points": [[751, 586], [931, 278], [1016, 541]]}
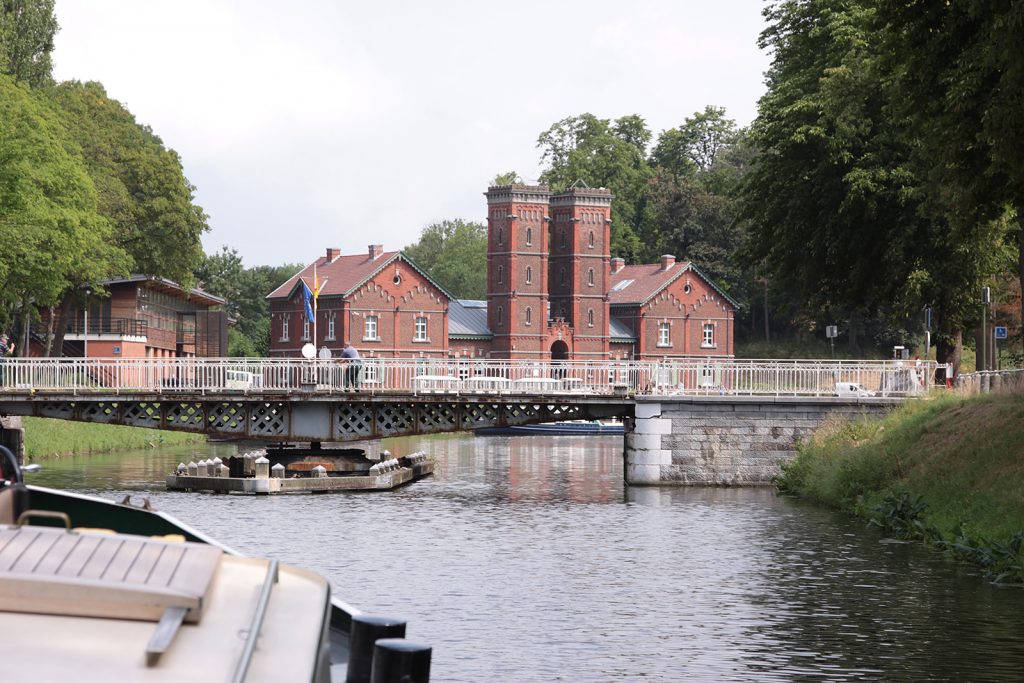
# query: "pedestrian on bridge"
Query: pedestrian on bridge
{"points": [[353, 364]]}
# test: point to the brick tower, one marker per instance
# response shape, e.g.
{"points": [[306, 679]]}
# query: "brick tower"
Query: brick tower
{"points": [[517, 270], [580, 267]]}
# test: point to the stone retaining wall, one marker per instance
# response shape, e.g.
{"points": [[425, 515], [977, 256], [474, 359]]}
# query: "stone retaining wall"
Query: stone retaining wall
{"points": [[732, 441]]}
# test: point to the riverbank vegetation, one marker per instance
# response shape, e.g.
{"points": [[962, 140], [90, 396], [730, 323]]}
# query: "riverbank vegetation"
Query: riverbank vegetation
{"points": [[948, 472], [47, 438]]}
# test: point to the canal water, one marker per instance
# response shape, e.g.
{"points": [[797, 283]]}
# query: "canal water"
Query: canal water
{"points": [[527, 559]]}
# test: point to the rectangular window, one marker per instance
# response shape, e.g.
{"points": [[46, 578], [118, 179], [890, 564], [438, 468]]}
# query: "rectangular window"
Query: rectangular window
{"points": [[305, 329], [330, 326], [708, 341], [421, 329], [370, 331], [664, 334], [284, 327]]}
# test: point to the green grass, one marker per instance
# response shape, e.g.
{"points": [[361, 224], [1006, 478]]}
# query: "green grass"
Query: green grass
{"points": [[948, 470], [46, 438]]}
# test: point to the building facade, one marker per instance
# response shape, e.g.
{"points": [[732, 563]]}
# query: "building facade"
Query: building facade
{"points": [[553, 293]]}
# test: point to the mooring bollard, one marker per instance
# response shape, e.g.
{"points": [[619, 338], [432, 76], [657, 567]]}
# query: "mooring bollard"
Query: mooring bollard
{"points": [[396, 660], [193, 468], [366, 630], [262, 468], [215, 467], [319, 471], [181, 469], [277, 471], [203, 468], [224, 472]]}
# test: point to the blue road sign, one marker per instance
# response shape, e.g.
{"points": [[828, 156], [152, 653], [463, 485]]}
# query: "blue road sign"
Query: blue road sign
{"points": [[1000, 332]]}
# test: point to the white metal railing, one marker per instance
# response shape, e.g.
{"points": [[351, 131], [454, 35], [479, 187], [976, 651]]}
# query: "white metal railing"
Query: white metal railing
{"points": [[727, 377]]}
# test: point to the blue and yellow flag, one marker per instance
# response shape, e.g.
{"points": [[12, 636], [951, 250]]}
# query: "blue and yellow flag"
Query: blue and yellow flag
{"points": [[307, 298]]}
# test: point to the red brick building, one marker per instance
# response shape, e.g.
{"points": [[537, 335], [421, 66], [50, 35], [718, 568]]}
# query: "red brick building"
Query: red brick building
{"points": [[380, 301], [143, 316], [553, 293]]}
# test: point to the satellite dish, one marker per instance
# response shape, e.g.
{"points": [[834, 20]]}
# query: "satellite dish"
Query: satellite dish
{"points": [[325, 353], [308, 351]]}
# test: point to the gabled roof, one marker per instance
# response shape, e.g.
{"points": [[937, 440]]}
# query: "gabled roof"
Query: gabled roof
{"points": [[636, 285], [467, 319], [345, 274]]}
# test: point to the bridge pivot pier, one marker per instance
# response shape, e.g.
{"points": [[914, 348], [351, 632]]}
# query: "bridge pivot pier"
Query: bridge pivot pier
{"points": [[727, 440]]}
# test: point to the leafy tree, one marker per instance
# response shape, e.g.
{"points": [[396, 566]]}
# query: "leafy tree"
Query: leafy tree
{"points": [[455, 254], [604, 153], [696, 143], [509, 178], [955, 71], [245, 290], [834, 208], [27, 28], [142, 187], [53, 235]]}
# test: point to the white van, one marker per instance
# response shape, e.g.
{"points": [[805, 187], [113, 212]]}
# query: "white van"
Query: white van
{"points": [[240, 380], [848, 389]]}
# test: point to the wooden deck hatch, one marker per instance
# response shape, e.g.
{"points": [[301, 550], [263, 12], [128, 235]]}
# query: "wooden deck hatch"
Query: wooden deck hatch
{"points": [[52, 571]]}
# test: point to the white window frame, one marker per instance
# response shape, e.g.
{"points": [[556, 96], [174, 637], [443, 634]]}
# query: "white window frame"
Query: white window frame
{"points": [[370, 329], [664, 335], [285, 319], [330, 326], [306, 329], [590, 317], [708, 338], [420, 334], [590, 277], [529, 275], [529, 315]]}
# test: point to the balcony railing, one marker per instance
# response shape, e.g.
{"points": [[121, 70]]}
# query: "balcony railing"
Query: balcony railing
{"points": [[470, 377], [119, 327]]}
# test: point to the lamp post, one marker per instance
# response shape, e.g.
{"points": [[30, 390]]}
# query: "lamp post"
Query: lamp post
{"points": [[85, 335]]}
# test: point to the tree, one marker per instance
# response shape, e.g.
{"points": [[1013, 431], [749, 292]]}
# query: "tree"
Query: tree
{"points": [[54, 238], [454, 253], [27, 28], [698, 142], [609, 154], [142, 187], [955, 72], [834, 209]]}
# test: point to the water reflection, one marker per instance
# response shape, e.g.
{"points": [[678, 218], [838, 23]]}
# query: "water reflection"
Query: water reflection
{"points": [[527, 559]]}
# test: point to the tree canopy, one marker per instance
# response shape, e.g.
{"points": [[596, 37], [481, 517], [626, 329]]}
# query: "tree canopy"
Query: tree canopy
{"points": [[27, 28], [454, 252]]}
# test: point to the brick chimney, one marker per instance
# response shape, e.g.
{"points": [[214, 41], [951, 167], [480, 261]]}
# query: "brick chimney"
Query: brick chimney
{"points": [[667, 260], [618, 263], [375, 251], [333, 253]]}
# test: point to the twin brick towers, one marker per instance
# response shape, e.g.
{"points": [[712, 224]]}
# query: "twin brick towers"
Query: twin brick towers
{"points": [[548, 271]]}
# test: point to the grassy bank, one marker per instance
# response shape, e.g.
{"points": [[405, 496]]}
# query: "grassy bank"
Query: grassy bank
{"points": [[45, 438], [948, 471]]}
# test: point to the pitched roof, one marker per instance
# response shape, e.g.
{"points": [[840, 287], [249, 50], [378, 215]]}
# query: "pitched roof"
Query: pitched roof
{"points": [[636, 285], [344, 274], [619, 331], [467, 318], [196, 295]]}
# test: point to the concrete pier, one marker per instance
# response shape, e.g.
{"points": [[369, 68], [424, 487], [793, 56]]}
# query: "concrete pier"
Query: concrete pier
{"points": [[727, 441]]}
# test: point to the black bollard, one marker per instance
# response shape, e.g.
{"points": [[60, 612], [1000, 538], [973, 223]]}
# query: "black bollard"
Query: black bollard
{"points": [[367, 629], [396, 660]]}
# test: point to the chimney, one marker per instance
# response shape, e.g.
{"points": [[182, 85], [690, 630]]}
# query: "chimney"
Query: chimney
{"points": [[667, 260], [375, 251], [333, 253], [618, 263]]}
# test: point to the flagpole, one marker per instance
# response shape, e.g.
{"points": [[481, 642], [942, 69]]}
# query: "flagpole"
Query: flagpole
{"points": [[316, 286]]}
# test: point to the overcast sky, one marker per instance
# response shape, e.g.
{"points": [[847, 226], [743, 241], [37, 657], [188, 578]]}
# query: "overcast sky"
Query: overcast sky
{"points": [[309, 124]]}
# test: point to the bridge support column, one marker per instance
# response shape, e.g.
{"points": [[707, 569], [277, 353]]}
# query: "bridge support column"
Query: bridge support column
{"points": [[12, 435], [644, 456]]}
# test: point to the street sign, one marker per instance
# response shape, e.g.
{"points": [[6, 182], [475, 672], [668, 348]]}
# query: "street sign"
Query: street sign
{"points": [[831, 331], [1000, 332]]}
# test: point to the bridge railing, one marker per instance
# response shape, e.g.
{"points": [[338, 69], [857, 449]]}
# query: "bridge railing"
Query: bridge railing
{"points": [[468, 376]]}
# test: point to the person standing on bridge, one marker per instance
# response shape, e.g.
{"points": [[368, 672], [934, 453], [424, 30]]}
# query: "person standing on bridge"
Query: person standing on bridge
{"points": [[353, 363], [6, 349]]}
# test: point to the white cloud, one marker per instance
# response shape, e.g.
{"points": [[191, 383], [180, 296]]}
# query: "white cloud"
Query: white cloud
{"points": [[310, 124]]}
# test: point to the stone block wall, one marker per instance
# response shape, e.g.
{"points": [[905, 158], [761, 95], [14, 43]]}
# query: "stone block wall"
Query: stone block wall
{"points": [[727, 441]]}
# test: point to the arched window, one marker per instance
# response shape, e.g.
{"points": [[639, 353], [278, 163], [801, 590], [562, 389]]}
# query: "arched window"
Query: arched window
{"points": [[562, 276], [529, 274], [501, 316], [590, 277], [590, 317], [590, 240], [529, 235], [501, 274], [565, 237], [501, 236], [529, 315]]}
